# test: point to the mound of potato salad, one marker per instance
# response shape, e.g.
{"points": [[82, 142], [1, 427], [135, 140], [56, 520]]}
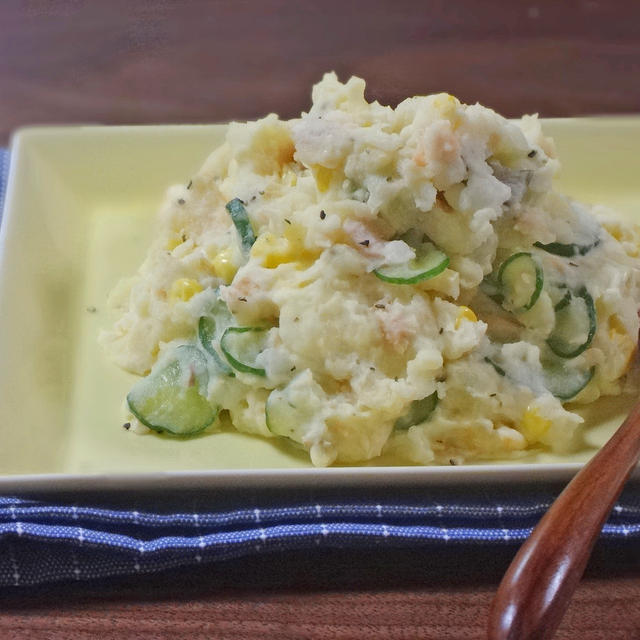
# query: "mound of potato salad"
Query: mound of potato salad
{"points": [[366, 280]]}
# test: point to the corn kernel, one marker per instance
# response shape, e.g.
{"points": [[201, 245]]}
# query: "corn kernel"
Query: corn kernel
{"points": [[184, 289], [273, 250], [276, 250], [465, 314], [290, 178], [322, 176], [533, 426], [626, 345], [223, 267], [616, 326], [174, 242], [626, 234]]}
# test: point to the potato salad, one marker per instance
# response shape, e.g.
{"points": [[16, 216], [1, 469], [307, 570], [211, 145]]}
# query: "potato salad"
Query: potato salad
{"points": [[365, 280]]}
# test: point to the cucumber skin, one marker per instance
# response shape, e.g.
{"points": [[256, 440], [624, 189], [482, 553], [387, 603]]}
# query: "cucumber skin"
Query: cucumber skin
{"points": [[426, 275], [554, 345], [206, 340], [235, 363], [574, 393], [424, 409], [567, 250], [166, 430], [539, 278], [240, 219], [497, 368], [132, 403]]}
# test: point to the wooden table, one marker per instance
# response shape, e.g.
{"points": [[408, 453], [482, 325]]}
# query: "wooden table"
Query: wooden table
{"points": [[140, 62]]}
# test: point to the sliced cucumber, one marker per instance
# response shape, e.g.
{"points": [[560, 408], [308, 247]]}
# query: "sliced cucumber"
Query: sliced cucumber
{"points": [[210, 330], [296, 409], [242, 346], [566, 382], [285, 416], [172, 398], [241, 221], [569, 250], [563, 302], [428, 263], [575, 325], [492, 289], [521, 280], [419, 411]]}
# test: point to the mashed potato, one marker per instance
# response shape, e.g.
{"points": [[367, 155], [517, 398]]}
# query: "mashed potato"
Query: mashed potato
{"points": [[367, 280]]}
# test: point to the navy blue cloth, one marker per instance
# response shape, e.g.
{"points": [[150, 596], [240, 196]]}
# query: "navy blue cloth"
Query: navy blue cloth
{"points": [[93, 536]]}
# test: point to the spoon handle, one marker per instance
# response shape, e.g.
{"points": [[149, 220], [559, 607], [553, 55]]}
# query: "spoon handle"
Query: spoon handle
{"points": [[539, 583]]}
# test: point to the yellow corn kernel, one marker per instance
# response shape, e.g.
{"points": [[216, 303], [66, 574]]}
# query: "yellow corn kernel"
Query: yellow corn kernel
{"points": [[627, 234], [174, 242], [322, 176], [272, 249], [624, 342], [446, 103], [290, 178], [616, 327], [465, 313], [533, 426], [184, 289], [223, 267], [275, 250]]}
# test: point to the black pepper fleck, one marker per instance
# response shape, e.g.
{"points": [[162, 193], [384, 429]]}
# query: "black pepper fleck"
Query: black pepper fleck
{"points": [[532, 153], [261, 193], [127, 426], [493, 395], [379, 306], [292, 368], [190, 184], [242, 299], [184, 237], [365, 243], [323, 215], [573, 264], [440, 331], [287, 221], [372, 368], [395, 379], [452, 462], [180, 200], [91, 309]]}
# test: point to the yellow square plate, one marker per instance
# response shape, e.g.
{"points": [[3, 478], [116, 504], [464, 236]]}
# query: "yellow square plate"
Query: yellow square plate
{"points": [[79, 210]]}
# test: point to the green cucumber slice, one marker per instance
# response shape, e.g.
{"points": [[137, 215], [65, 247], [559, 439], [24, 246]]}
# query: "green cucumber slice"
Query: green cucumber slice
{"points": [[296, 409], [242, 345], [563, 302], [285, 416], [419, 411], [566, 382], [575, 325], [492, 289], [569, 250], [210, 330], [428, 263], [172, 398], [521, 280], [240, 219]]}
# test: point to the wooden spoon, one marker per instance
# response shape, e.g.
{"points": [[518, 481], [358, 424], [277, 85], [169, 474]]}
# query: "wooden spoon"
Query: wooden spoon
{"points": [[537, 588]]}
